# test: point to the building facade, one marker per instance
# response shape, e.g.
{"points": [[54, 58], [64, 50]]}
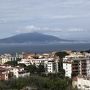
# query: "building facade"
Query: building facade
{"points": [[83, 83], [76, 64]]}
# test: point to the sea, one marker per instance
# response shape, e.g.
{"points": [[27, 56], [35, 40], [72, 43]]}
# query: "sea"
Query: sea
{"points": [[45, 48]]}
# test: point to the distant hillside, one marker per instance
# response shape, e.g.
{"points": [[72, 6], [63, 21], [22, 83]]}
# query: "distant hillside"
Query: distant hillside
{"points": [[32, 38]]}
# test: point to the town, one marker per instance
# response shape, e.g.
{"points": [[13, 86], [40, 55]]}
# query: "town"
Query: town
{"points": [[76, 66]]}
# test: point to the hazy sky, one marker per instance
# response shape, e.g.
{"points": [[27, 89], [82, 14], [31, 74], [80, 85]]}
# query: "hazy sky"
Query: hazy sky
{"points": [[63, 18]]}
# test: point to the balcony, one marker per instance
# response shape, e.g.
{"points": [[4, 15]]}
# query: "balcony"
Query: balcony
{"points": [[74, 69]]}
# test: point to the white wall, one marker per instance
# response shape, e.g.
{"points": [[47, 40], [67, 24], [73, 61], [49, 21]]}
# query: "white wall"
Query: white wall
{"points": [[88, 67], [50, 67], [68, 69], [83, 84]]}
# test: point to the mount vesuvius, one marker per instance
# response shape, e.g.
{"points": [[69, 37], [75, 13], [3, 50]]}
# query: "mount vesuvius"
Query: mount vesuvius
{"points": [[32, 38]]}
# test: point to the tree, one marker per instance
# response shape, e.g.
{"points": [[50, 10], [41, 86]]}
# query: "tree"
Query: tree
{"points": [[40, 69], [22, 65], [31, 68], [18, 59], [61, 56], [13, 63]]}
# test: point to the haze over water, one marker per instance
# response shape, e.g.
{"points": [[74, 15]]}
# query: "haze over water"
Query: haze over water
{"points": [[42, 48]]}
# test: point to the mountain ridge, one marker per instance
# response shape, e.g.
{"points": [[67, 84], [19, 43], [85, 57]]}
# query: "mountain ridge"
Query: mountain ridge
{"points": [[33, 37]]}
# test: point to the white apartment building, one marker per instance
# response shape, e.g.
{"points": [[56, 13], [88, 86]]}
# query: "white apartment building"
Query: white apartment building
{"points": [[15, 72], [88, 68], [52, 67], [18, 72], [24, 61], [76, 64], [83, 83], [68, 69]]}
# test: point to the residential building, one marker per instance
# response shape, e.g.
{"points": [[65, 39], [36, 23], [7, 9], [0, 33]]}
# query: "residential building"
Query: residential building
{"points": [[24, 61], [49, 61], [83, 83], [7, 72], [5, 58], [52, 67], [4, 74], [76, 64]]}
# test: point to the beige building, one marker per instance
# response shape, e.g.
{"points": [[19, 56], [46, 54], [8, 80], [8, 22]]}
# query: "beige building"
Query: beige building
{"points": [[5, 58], [4, 74]]}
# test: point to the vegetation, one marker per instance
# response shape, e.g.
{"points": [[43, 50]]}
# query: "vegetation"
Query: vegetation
{"points": [[12, 63], [31, 68], [61, 56], [35, 70], [40, 69], [51, 82]]}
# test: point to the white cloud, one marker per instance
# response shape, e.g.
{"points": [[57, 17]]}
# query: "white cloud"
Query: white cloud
{"points": [[32, 28]]}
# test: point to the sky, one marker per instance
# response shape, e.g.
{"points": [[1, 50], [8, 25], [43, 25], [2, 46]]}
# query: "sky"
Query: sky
{"points": [[67, 19]]}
